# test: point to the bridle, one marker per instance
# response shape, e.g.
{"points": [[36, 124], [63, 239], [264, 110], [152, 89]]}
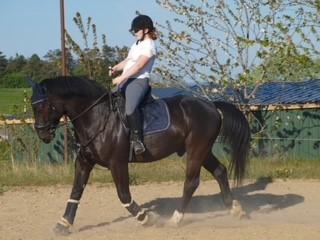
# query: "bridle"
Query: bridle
{"points": [[53, 127]]}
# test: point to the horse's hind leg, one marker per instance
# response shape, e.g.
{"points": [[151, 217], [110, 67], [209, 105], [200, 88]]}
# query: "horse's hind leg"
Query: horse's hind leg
{"points": [[219, 172], [194, 163]]}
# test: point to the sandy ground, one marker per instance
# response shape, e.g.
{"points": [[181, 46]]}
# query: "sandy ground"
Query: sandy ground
{"points": [[281, 210]]}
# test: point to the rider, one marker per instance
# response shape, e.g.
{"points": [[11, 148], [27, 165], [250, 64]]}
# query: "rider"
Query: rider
{"points": [[134, 80]]}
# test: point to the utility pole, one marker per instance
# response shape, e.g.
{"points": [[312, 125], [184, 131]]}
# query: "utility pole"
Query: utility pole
{"points": [[63, 40], [64, 73]]}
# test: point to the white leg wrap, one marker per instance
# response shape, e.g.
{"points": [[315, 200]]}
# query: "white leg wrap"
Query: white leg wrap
{"points": [[176, 217], [145, 220], [64, 222], [140, 213], [73, 201], [125, 205]]}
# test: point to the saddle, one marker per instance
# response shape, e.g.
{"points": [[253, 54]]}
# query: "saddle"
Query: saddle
{"points": [[155, 113]]}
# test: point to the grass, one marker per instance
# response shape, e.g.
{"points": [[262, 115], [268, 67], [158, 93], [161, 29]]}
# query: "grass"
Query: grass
{"points": [[12, 100], [41, 175], [285, 169], [171, 169]]}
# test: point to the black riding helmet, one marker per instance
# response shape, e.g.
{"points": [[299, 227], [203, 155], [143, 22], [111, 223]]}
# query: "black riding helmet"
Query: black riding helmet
{"points": [[141, 22]]}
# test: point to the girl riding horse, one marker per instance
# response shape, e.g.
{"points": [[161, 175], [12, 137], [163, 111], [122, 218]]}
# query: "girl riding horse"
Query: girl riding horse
{"points": [[134, 80]]}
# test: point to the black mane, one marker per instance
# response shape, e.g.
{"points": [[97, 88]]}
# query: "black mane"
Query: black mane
{"points": [[76, 86]]}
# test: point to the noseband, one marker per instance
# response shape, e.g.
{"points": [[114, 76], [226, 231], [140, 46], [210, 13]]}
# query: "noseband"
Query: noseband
{"points": [[49, 125]]}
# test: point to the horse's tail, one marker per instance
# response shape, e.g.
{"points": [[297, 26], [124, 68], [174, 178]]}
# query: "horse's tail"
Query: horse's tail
{"points": [[235, 130]]}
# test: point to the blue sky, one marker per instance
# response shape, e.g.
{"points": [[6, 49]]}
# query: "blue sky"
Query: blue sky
{"points": [[33, 26]]}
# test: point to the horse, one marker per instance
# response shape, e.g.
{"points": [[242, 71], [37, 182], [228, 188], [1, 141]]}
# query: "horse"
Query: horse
{"points": [[195, 124]]}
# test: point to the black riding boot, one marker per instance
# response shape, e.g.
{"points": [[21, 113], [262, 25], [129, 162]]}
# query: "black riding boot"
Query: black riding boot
{"points": [[135, 123]]}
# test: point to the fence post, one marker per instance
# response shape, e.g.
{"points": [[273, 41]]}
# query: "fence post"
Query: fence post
{"points": [[24, 101]]}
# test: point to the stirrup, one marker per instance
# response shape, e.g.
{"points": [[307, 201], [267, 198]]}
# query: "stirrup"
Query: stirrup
{"points": [[138, 147]]}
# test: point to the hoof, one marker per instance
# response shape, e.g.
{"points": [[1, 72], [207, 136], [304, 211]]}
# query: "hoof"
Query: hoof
{"points": [[152, 219], [61, 230], [176, 218], [237, 210], [149, 219]]}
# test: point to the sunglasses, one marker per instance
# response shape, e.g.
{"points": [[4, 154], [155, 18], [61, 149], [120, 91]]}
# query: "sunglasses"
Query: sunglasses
{"points": [[134, 31]]}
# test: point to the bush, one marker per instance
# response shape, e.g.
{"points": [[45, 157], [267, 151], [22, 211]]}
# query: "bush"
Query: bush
{"points": [[13, 80], [4, 152]]}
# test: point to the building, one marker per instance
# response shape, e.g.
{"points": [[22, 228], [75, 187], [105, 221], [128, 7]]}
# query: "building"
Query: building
{"points": [[284, 118]]}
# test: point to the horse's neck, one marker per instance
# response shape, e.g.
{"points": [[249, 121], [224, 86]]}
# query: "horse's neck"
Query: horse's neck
{"points": [[89, 119], [77, 107]]}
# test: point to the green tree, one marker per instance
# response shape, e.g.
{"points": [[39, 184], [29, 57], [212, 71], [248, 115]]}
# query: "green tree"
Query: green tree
{"points": [[13, 80], [3, 63], [16, 64], [113, 55], [279, 67], [33, 68], [222, 42], [13, 76], [52, 63]]}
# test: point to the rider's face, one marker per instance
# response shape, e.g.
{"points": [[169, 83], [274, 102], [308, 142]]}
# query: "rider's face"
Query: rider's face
{"points": [[139, 33]]}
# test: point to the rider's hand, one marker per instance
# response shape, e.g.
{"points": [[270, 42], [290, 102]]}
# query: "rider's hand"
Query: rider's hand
{"points": [[113, 70], [117, 80]]}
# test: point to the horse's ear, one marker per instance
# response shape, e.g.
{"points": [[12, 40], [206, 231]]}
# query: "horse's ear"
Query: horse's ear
{"points": [[39, 92]]}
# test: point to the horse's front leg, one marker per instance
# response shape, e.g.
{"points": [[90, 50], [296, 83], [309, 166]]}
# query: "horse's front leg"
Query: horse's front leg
{"points": [[120, 174], [82, 172]]}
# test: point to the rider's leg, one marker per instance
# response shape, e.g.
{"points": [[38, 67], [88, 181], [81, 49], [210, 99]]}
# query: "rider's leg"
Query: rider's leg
{"points": [[135, 123], [135, 92]]}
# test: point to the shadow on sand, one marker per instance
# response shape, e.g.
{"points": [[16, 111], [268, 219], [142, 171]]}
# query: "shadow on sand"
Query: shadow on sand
{"points": [[251, 201], [251, 196]]}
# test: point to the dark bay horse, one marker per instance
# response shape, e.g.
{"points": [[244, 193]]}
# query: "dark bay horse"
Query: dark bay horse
{"points": [[195, 125]]}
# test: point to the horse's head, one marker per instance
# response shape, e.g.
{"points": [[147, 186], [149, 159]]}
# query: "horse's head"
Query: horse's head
{"points": [[46, 114]]}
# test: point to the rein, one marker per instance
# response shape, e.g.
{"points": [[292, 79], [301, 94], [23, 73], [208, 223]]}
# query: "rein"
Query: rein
{"points": [[85, 111], [91, 106]]}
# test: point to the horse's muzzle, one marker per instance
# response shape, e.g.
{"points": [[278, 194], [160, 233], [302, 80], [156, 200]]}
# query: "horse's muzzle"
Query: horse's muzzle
{"points": [[46, 134], [48, 138]]}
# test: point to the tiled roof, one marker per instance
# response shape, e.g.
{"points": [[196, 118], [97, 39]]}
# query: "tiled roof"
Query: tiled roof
{"points": [[287, 93], [266, 94]]}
